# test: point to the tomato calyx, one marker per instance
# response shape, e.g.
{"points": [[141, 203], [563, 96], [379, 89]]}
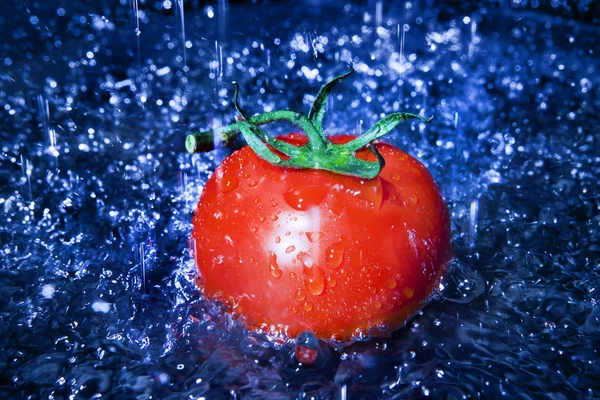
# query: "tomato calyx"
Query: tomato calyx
{"points": [[319, 152]]}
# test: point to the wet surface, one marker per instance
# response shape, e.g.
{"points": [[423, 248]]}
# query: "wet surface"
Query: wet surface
{"points": [[97, 287]]}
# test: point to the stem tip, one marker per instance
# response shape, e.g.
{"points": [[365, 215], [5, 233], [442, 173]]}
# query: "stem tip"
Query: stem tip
{"points": [[190, 144]]}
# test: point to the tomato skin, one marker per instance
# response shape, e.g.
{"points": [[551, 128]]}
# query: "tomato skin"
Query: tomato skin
{"points": [[294, 250]]}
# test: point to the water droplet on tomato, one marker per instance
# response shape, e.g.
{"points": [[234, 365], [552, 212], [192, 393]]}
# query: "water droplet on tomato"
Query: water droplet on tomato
{"points": [[300, 295], [253, 229], [408, 292], [308, 306], [307, 347], [262, 219], [227, 183], [331, 281], [316, 283], [313, 237], [395, 176], [277, 239], [293, 275], [294, 309], [335, 255], [305, 197], [305, 259], [392, 283], [372, 289], [314, 280], [275, 270], [377, 304], [274, 217], [413, 199], [290, 249], [253, 183]]}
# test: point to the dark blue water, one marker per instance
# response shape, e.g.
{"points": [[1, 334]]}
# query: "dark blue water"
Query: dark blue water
{"points": [[97, 293]]}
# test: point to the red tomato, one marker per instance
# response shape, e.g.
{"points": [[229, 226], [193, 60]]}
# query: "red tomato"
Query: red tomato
{"points": [[293, 250]]}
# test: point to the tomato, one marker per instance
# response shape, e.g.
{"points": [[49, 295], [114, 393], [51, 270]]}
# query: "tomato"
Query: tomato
{"points": [[292, 250]]}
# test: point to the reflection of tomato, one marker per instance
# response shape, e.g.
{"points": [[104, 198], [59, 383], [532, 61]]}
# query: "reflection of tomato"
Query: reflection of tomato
{"points": [[294, 250]]}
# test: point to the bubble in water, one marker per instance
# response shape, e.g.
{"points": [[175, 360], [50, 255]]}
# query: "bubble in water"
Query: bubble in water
{"points": [[307, 348]]}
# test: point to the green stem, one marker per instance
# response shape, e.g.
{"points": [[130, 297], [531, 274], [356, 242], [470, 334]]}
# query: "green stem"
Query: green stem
{"points": [[317, 110], [203, 141], [381, 128], [319, 152]]}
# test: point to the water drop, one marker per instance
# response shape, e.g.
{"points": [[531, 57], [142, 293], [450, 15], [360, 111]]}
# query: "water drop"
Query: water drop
{"points": [[308, 306], [274, 217], [262, 219], [335, 255], [392, 283], [300, 295], [273, 267], [227, 183], [290, 249], [305, 259], [413, 199], [313, 237], [277, 240], [331, 281], [305, 197], [377, 304], [253, 183], [314, 280], [408, 292]]}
